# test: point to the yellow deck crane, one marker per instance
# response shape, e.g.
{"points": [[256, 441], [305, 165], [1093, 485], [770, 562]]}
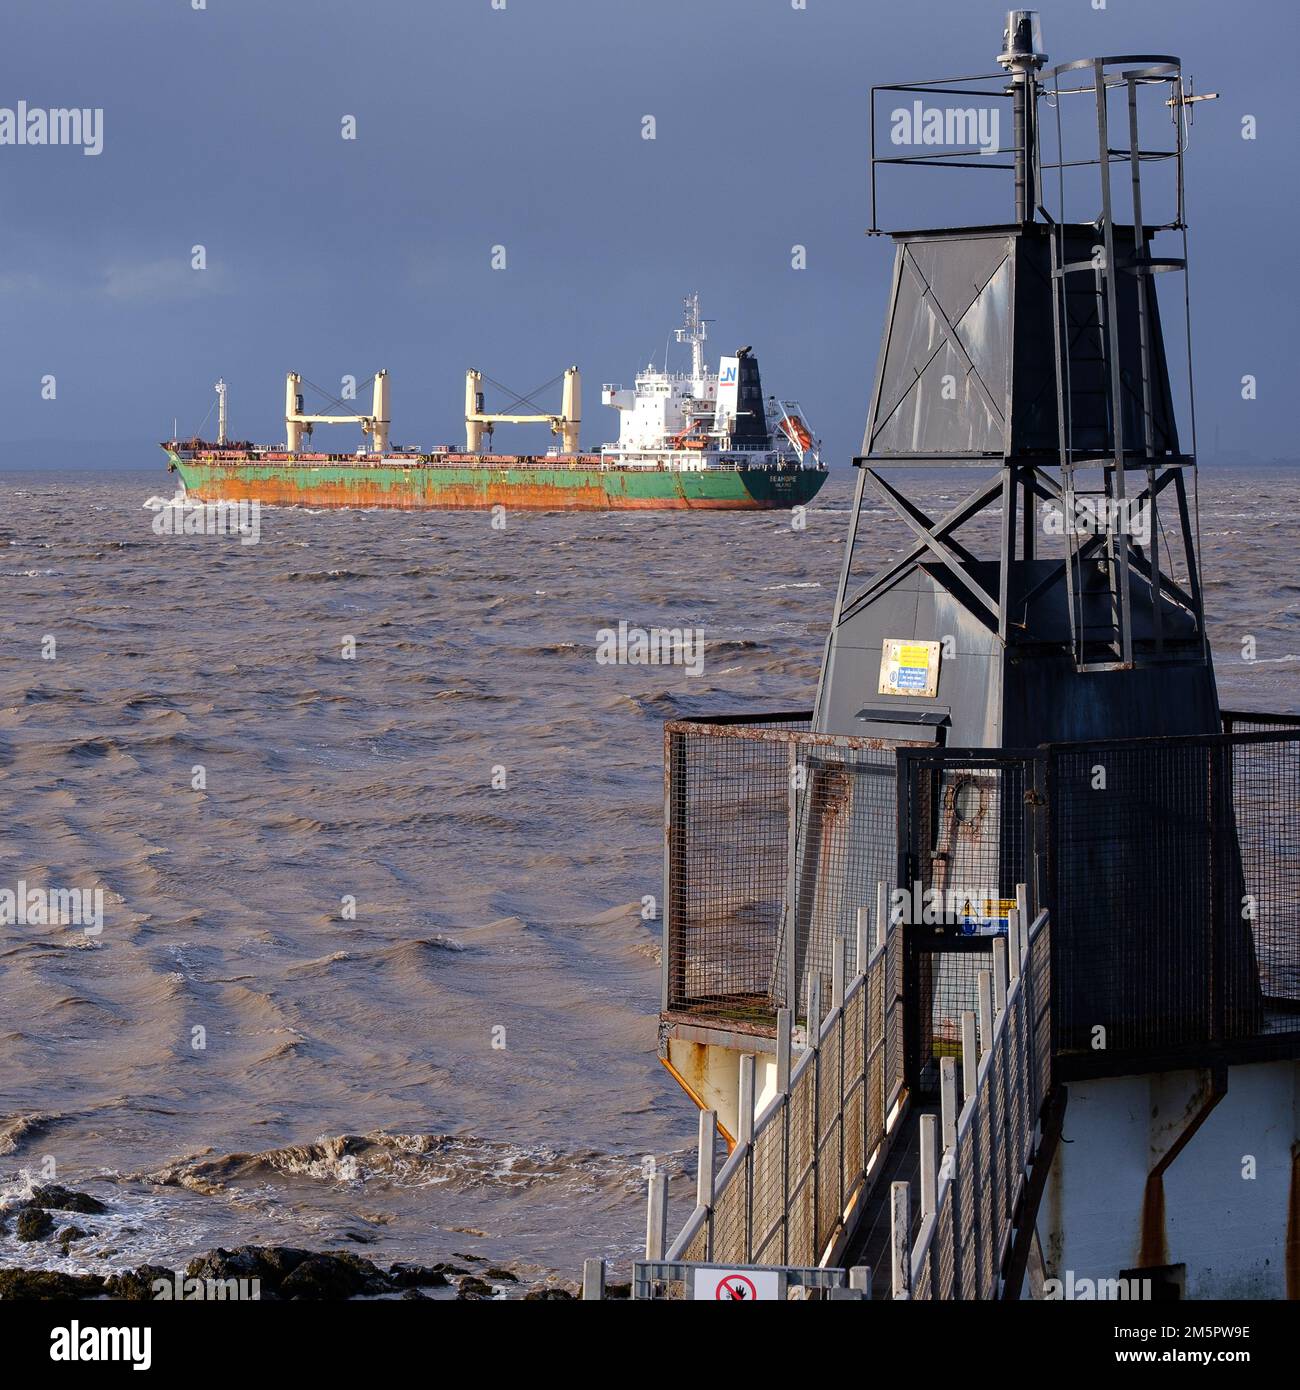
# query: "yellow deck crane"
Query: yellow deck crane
{"points": [[566, 424], [296, 423]]}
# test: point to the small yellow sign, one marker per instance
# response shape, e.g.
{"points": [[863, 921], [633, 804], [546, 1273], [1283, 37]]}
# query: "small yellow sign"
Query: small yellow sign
{"points": [[909, 667], [985, 916]]}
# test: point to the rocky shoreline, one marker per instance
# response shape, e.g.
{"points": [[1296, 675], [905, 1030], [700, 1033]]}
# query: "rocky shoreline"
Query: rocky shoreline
{"points": [[263, 1272]]}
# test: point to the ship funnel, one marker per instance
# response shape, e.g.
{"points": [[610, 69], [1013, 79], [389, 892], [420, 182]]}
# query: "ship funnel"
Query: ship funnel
{"points": [[571, 410]]}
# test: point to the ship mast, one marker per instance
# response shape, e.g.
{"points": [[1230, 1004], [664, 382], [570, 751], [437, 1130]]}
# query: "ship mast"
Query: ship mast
{"points": [[694, 330], [221, 410]]}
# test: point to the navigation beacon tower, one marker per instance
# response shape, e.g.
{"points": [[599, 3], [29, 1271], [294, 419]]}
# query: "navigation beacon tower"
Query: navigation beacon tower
{"points": [[1032, 354]]}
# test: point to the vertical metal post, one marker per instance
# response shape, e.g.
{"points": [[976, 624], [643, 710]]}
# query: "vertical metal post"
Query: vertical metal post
{"points": [[814, 1008], [593, 1279], [1013, 943], [791, 877], [948, 1101], [970, 1058], [656, 1226], [1142, 280], [860, 1278], [1119, 551], [838, 948], [668, 963], [745, 1139], [784, 1025], [929, 1165], [999, 975], [705, 1178], [1022, 904], [784, 1028], [882, 940], [984, 994], [863, 942], [900, 1244], [745, 1119]]}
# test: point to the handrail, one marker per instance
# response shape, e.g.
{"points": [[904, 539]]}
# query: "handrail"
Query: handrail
{"points": [[968, 1216], [800, 1167]]}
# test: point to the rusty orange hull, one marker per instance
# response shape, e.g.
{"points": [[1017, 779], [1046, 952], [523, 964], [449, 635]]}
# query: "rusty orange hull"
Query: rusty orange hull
{"points": [[455, 482]]}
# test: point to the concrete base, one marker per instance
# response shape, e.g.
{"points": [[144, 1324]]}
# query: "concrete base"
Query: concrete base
{"points": [[706, 1064], [1223, 1215]]}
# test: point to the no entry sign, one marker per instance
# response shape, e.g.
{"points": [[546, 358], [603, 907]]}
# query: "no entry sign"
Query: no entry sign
{"points": [[738, 1285]]}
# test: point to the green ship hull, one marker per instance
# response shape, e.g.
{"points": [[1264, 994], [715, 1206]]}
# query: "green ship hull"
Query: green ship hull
{"points": [[466, 481]]}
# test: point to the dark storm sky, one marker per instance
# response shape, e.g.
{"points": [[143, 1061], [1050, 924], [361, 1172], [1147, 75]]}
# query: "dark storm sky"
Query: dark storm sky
{"points": [[522, 127]]}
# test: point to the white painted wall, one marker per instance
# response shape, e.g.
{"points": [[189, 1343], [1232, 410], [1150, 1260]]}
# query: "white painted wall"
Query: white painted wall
{"points": [[1230, 1231]]}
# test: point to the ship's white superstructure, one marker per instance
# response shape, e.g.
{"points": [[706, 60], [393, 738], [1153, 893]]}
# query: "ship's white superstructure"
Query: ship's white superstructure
{"points": [[701, 419]]}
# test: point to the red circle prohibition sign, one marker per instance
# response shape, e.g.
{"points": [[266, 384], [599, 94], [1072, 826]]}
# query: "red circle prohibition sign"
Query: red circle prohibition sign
{"points": [[737, 1287]]}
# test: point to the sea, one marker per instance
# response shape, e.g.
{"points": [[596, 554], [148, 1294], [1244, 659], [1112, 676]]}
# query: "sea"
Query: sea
{"points": [[375, 821]]}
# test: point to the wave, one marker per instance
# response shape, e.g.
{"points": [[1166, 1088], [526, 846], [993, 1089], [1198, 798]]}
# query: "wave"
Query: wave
{"points": [[456, 1162]]}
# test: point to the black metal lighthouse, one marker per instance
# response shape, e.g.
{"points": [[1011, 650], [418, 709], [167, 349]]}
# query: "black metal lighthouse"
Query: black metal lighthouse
{"points": [[1032, 353]]}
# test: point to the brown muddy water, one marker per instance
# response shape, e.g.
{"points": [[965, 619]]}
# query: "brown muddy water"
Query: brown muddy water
{"points": [[468, 1063]]}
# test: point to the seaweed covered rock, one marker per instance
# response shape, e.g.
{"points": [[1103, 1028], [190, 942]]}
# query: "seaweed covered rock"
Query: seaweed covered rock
{"points": [[136, 1285], [33, 1224], [333, 1276], [405, 1275], [48, 1284], [52, 1197]]}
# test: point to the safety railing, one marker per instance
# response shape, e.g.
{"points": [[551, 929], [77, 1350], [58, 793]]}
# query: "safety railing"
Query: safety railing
{"points": [[798, 1170], [970, 1196]]}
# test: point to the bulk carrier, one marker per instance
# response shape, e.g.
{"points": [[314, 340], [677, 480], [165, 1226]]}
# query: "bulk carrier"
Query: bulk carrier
{"points": [[686, 440]]}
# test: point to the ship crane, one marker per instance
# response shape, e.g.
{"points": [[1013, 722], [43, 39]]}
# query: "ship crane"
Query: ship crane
{"points": [[297, 423], [566, 424]]}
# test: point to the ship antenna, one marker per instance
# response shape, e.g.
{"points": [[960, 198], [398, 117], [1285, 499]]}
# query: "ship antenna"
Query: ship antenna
{"points": [[694, 330]]}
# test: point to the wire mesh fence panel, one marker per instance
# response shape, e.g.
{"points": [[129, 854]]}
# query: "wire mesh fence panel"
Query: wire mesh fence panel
{"points": [[966, 1230], [845, 846], [945, 1251], [874, 1042], [727, 817], [730, 1216], [1038, 1010], [1017, 1126], [854, 1159], [829, 1200], [802, 1139], [895, 1061], [984, 1196], [741, 796], [769, 1190], [1174, 875], [999, 1184], [1266, 800], [697, 1249]]}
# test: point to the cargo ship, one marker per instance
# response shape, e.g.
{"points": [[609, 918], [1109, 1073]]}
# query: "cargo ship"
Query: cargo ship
{"points": [[696, 439]]}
